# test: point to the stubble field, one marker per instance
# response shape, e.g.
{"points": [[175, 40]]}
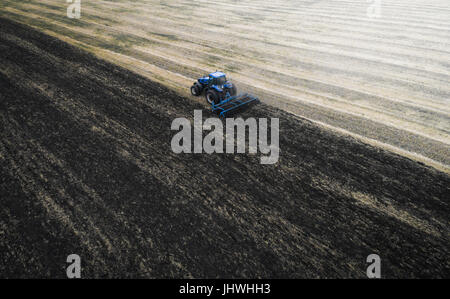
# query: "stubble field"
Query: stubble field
{"points": [[383, 80]]}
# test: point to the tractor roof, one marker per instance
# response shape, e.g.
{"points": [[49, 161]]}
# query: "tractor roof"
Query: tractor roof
{"points": [[217, 74]]}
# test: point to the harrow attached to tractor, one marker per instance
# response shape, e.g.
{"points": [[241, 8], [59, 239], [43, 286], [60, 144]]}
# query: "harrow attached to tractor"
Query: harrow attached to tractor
{"points": [[221, 94]]}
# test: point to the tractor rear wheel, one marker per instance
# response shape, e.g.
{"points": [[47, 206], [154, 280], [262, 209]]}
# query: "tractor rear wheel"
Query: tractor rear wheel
{"points": [[233, 90], [212, 97]]}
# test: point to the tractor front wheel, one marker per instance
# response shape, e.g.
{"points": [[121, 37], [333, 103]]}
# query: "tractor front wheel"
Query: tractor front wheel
{"points": [[195, 90], [212, 97]]}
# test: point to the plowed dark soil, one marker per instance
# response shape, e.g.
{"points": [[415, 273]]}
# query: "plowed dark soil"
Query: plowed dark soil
{"points": [[86, 167]]}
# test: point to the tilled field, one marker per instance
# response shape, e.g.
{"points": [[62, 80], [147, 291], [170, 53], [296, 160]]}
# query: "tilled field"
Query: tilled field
{"points": [[87, 168]]}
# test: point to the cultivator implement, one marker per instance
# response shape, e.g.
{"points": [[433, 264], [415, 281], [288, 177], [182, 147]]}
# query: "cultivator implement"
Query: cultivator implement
{"points": [[233, 104]]}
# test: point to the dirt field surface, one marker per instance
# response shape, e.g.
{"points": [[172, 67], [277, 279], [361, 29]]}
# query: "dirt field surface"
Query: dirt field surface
{"points": [[383, 80], [86, 167]]}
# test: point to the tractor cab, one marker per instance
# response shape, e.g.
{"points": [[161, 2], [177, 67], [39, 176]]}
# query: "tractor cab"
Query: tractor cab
{"points": [[218, 79], [215, 80]]}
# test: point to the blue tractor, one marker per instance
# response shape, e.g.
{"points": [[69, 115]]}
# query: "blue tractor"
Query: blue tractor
{"points": [[221, 94]]}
